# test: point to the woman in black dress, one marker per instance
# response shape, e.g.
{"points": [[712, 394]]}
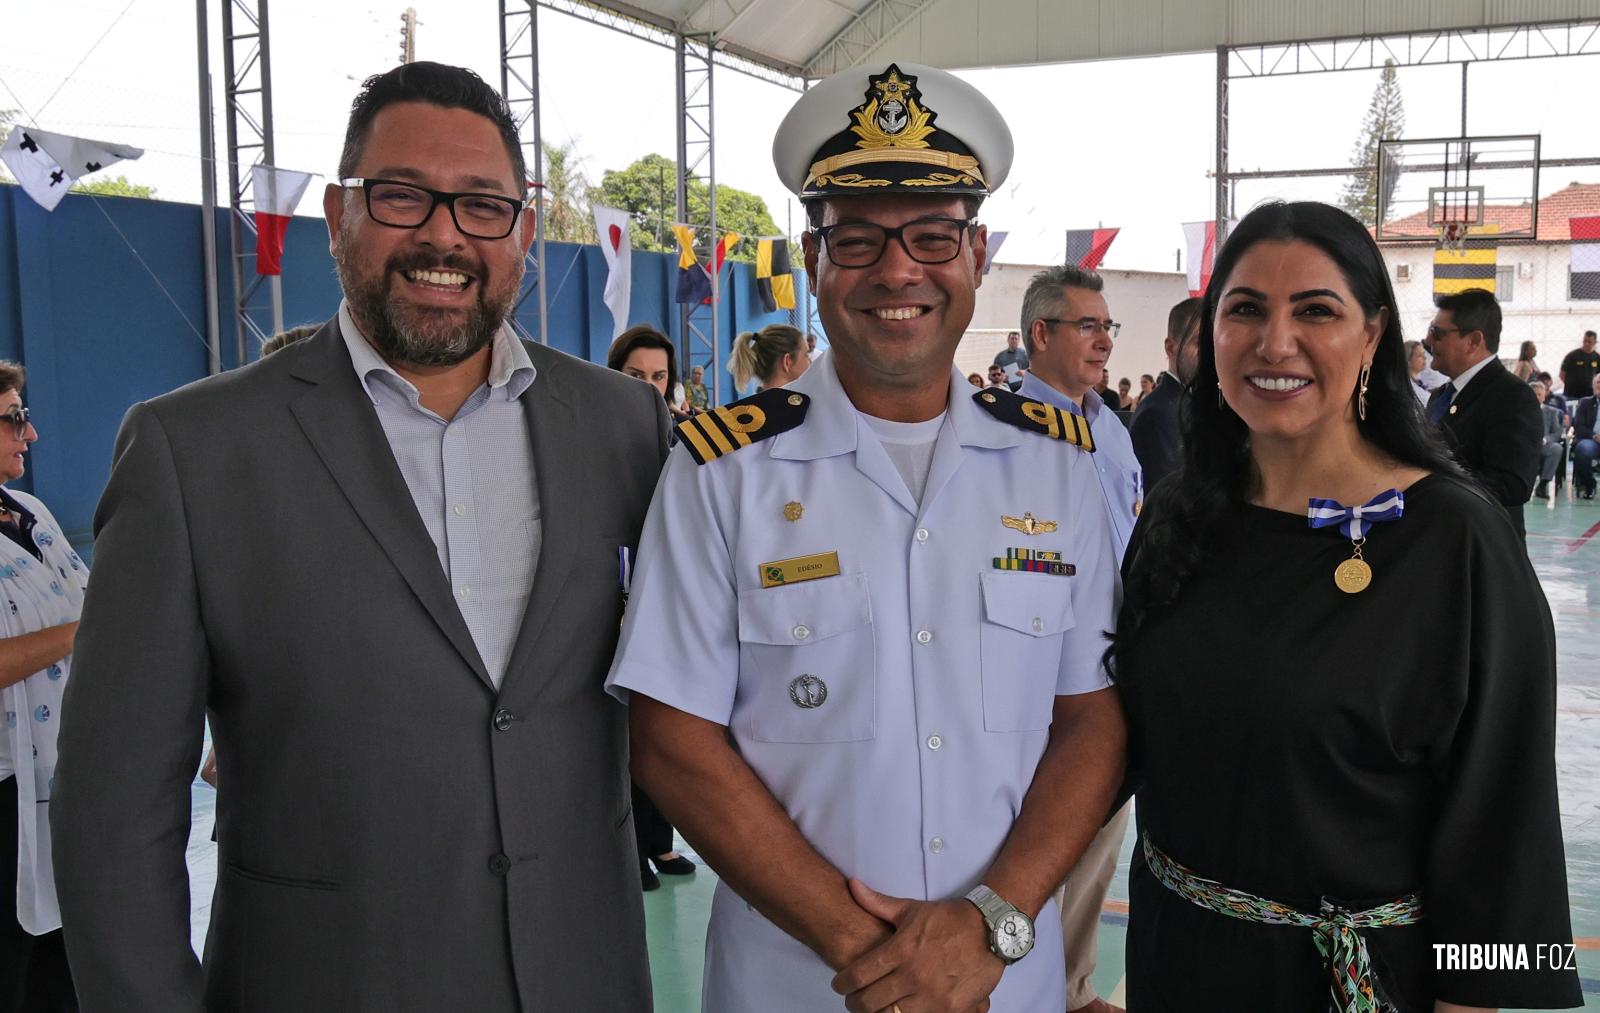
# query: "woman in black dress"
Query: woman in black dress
{"points": [[1333, 776]]}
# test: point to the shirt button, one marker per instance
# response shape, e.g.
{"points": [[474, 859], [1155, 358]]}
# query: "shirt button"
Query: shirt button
{"points": [[934, 742], [499, 864], [464, 591], [924, 636], [1038, 624], [936, 845], [503, 719], [802, 631], [461, 511], [922, 534]]}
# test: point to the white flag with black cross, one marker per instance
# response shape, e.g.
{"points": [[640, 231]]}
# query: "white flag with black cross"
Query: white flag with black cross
{"points": [[47, 164]]}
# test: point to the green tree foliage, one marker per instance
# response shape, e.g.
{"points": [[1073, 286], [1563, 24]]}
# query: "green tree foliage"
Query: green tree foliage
{"points": [[115, 187], [1385, 121], [647, 189], [568, 217]]}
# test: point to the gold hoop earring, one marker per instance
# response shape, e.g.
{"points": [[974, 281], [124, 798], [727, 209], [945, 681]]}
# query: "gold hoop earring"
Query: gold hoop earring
{"points": [[1361, 396]]}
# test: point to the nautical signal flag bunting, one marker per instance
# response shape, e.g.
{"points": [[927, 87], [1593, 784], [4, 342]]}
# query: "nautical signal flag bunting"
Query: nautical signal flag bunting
{"points": [[46, 164], [1585, 282], [1472, 266], [276, 193], [774, 276], [694, 283], [1087, 247]]}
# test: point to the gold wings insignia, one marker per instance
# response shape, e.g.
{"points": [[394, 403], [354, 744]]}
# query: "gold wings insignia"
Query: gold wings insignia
{"points": [[1028, 524]]}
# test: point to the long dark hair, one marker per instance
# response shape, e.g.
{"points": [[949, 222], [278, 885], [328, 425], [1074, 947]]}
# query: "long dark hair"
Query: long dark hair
{"points": [[1217, 473], [644, 336]]}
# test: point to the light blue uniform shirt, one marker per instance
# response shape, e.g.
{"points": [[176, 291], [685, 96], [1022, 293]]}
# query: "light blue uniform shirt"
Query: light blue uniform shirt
{"points": [[472, 481], [1121, 478], [941, 670]]}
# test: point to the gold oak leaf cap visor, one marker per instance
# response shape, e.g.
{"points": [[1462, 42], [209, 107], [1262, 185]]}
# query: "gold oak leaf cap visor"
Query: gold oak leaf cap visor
{"points": [[895, 128]]}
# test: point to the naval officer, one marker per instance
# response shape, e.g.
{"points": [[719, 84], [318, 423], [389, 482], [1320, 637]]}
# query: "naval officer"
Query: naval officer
{"points": [[863, 645]]}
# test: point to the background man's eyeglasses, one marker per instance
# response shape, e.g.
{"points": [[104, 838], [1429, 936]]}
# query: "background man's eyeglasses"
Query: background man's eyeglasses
{"points": [[19, 421], [927, 241], [1435, 333], [1087, 327], [407, 206]]}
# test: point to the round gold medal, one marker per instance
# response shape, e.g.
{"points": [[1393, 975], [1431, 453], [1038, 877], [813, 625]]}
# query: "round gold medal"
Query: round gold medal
{"points": [[1352, 576]]}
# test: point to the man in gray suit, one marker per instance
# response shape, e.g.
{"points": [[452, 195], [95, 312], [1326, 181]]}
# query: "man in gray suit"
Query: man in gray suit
{"points": [[384, 561]]}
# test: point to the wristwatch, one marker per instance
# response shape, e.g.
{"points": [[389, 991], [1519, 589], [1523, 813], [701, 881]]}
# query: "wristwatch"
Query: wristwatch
{"points": [[1010, 931]]}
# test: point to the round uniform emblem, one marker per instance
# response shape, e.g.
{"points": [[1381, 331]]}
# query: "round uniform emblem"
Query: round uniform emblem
{"points": [[1352, 576], [807, 691]]}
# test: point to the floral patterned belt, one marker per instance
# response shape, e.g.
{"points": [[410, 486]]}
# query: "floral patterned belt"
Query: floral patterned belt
{"points": [[1354, 986]]}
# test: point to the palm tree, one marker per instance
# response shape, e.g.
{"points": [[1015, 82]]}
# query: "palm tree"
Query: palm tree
{"points": [[566, 198]]}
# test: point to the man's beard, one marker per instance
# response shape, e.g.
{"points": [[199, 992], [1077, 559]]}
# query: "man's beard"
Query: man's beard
{"points": [[420, 335]]}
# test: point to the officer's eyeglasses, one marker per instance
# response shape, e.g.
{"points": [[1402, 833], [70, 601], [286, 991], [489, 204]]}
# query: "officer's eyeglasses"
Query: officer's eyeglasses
{"points": [[927, 240], [1435, 333], [18, 417], [1087, 326], [407, 206]]}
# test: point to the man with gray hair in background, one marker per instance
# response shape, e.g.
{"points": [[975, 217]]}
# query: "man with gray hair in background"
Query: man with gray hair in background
{"points": [[1068, 333]]}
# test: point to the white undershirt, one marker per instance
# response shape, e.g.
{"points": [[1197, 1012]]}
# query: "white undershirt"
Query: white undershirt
{"points": [[910, 446]]}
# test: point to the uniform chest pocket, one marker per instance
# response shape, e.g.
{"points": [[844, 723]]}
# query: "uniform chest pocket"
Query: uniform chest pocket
{"points": [[1024, 618], [807, 662]]}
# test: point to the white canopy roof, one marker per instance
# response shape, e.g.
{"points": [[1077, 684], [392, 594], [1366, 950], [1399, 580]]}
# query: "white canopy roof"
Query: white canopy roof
{"points": [[814, 38]]}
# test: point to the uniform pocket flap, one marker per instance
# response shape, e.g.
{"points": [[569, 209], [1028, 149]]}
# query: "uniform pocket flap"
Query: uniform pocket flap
{"points": [[1036, 604], [801, 614]]}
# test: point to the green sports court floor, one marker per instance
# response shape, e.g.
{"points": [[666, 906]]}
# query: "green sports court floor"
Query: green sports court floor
{"points": [[1564, 544]]}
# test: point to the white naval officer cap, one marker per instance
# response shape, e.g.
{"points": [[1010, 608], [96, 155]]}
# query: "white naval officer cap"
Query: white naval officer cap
{"points": [[896, 128]]}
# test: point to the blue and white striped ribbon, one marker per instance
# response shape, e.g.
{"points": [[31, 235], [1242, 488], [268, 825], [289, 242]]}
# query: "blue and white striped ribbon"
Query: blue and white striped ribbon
{"points": [[1356, 521]]}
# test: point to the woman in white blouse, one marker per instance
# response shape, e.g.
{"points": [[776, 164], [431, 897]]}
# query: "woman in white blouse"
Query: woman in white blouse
{"points": [[41, 594]]}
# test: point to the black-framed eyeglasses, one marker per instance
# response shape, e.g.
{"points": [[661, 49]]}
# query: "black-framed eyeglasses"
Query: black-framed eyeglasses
{"points": [[926, 240], [20, 421], [403, 205], [1087, 326]]}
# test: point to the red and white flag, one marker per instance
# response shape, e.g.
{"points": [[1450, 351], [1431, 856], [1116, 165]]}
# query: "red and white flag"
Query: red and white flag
{"points": [[611, 227], [276, 193], [1201, 238]]}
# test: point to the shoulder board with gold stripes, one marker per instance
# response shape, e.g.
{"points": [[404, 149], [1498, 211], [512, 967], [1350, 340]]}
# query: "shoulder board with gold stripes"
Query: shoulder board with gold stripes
{"points": [[1036, 416], [721, 431]]}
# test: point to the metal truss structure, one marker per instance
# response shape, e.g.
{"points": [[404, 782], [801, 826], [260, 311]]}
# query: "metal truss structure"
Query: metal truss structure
{"points": [[881, 19], [247, 66], [1463, 46], [519, 84], [697, 151], [643, 25]]}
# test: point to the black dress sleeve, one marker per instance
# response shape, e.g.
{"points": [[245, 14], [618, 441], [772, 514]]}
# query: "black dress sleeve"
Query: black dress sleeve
{"points": [[1496, 867]]}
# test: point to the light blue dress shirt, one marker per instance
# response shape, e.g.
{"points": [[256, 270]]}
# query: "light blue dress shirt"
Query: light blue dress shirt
{"points": [[1121, 478], [473, 484], [940, 668]]}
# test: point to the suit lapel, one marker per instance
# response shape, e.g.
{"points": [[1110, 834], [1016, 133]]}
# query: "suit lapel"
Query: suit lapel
{"points": [[557, 439], [1475, 387], [338, 420]]}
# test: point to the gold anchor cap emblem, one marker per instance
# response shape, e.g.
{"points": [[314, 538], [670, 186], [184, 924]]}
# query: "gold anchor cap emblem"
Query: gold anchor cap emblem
{"points": [[1028, 524]]}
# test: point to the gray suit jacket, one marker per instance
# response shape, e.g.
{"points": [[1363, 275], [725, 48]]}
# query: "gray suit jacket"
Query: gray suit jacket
{"points": [[393, 834]]}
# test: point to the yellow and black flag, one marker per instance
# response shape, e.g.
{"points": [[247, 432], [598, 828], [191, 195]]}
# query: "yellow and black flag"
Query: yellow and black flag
{"points": [[1472, 266], [774, 279]]}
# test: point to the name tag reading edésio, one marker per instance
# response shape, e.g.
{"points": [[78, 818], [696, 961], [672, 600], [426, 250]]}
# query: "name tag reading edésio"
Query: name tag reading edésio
{"points": [[799, 569]]}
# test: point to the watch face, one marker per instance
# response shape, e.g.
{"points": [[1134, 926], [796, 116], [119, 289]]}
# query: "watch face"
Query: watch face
{"points": [[1013, 936]]}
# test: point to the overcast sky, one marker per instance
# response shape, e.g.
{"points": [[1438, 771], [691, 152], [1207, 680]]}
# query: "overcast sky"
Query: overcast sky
{"points": [[1123, 143]]}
